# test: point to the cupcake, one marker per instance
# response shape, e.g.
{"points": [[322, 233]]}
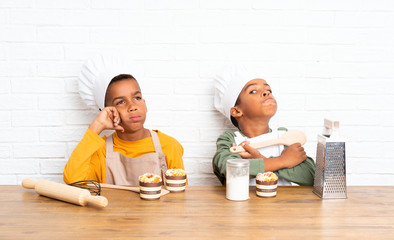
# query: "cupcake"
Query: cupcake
{"points": [[150, 186], [266, 184], [175, 180]]}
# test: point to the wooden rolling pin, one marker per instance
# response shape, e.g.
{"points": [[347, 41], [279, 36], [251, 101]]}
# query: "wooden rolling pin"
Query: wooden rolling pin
{"points": [[288, 138], [65, 193]]}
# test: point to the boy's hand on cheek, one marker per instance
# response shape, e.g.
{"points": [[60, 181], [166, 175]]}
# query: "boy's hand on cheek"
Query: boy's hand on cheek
{"points": [[108, 118], [293, 155], [250, 152]]}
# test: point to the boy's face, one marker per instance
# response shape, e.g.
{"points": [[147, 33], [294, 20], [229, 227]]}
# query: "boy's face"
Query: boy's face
{"points": [[126, 97], [256, 100]]}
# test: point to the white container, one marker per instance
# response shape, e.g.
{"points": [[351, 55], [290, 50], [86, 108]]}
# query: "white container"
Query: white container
{"points": [[237, 179]]}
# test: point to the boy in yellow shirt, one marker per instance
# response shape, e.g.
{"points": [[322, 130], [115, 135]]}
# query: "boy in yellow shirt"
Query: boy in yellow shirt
{"points": [[131, 150]]}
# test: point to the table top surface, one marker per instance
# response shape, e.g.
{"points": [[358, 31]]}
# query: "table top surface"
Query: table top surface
{"points": [[199, 213]]}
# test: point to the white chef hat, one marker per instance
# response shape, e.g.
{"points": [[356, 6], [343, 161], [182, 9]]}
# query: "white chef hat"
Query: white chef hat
{"points": [[96, 74], [228, 85]]}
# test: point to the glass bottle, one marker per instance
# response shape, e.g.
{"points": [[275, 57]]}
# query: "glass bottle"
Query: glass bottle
{"points": [[237, 179]]}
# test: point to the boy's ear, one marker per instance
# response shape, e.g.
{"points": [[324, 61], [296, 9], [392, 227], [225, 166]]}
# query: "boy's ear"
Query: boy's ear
{"points": [[146, 108], [235, 112]]}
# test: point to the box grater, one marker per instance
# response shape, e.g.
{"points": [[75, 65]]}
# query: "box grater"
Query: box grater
{"points": [[330, 173]]}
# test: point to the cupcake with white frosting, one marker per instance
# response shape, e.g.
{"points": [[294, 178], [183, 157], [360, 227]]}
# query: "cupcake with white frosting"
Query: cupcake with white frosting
{"points": [[175, 180], [266, 184], [150, 186]]}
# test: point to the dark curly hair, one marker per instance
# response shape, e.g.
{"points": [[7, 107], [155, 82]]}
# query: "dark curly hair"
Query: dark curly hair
{"points": [[117, 78]]}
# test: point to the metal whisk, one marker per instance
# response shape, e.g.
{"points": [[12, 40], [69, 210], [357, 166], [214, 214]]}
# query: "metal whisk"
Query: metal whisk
{"points": [[91, 185]]}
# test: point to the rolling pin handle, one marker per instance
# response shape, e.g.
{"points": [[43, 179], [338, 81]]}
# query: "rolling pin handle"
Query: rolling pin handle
{"points": [[29, 184], [98, 201]]}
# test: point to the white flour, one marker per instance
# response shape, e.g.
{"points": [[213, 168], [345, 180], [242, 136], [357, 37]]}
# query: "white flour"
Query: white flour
{"points": [[237, 188]]}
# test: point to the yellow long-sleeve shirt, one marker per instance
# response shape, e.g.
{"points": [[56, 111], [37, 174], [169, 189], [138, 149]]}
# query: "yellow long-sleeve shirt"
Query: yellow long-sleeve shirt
{"points": [[87, 161]]}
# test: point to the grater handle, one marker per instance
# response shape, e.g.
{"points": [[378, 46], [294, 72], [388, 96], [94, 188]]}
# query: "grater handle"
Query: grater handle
{"points": [[332, 127]]}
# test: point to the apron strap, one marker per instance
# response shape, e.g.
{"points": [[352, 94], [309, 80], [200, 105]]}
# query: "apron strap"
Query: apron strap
{"points": [[159, 151], [109, 145], [109, 158], [238, 134]]}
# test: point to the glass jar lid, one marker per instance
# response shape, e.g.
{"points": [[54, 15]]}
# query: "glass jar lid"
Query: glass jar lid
{"points": [[238, 163]]}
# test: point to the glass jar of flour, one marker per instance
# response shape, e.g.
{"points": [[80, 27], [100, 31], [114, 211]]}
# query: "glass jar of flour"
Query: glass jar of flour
{"points": [[237, 179]]}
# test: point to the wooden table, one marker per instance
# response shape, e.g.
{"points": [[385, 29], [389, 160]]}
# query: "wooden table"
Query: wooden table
{"points": [[202, 212]]}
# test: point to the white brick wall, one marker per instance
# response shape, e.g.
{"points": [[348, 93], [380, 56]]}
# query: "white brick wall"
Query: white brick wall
{"points": [[323, 58]]}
